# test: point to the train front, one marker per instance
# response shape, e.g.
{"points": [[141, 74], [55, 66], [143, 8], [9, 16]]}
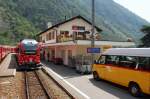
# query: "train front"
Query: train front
{"points": [[29, 53]]}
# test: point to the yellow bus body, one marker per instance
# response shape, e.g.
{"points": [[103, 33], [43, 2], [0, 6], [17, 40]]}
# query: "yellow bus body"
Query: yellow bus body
{"points": [[124, 76]]}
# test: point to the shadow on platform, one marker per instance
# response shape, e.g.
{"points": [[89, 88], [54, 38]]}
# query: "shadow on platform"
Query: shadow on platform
{"points": [[13, 62], [116, 90], [65, 71]]}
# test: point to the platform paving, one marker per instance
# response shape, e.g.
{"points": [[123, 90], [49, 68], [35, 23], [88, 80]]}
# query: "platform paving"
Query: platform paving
{"points": [[8, 66], [88, 86], [70, 88]]}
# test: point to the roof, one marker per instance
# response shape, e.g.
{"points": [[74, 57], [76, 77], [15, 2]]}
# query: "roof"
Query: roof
{"points": [[56, 25], [143, 52], [29, 41]]}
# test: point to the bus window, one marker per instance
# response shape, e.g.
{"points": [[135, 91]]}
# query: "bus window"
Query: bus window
{"points": [[144, 63], [112, 60], [127, 61], [101, 60]]}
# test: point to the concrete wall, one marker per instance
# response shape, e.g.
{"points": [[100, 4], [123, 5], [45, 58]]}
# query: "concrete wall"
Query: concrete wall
{"points": [[63, 51]]}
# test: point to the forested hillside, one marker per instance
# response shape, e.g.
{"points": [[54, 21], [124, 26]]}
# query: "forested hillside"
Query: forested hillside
{"points": [[25, 18]]}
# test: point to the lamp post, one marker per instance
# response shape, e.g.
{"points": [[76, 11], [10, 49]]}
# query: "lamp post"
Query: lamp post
{"points": [[93, 28]]}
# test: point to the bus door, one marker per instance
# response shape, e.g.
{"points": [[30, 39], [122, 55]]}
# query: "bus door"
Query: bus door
{"points": [[111, 72], [101, 68], [144, 73], [127, 65]]}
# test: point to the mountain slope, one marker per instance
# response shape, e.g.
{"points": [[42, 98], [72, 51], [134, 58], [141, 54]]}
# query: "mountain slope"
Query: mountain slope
{"points": [[117, 19], [25, 18]]}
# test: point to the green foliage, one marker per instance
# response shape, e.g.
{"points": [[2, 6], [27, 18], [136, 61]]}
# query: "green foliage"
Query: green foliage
{"points": [[146, 39], [26, 18], [18, 26], [146, 29]]}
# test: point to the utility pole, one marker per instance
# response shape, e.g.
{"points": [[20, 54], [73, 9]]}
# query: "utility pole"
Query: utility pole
{"points": [[93, 29]]}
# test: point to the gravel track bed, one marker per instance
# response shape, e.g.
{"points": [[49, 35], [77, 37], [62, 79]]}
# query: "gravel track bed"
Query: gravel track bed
{"points": [[35, 89], [52, 88], [12, 87]]}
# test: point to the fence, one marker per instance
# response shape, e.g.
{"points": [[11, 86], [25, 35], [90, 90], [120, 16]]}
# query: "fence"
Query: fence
{"points": [[4, 50]]}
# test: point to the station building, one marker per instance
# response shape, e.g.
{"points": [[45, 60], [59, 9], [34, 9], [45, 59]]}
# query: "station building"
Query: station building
{"points": [[71, 38]]}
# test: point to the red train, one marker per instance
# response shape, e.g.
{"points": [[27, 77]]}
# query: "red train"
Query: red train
{"points": [[4, 50], [28, 53]]}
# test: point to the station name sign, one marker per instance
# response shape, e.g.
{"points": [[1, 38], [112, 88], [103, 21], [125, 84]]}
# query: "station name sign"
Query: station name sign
{"points": [[93, 50]]}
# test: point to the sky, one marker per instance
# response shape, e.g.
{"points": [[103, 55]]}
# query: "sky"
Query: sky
{"points": [[139, 7]]}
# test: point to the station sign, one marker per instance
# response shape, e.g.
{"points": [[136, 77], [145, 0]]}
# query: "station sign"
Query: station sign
{"points": [[93, 50]]}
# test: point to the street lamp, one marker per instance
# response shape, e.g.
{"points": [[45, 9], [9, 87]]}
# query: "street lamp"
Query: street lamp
{"points": [[93, 26]]}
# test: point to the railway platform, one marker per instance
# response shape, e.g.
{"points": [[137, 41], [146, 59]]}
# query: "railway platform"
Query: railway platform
{"points": [[77, 94], [8, 66], [85, 85]]}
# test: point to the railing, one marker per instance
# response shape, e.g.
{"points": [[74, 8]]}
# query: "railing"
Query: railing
{"points": [[63, 38], [4, 50]]}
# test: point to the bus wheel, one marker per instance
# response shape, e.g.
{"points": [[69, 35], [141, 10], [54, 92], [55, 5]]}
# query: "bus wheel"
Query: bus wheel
{"points": [[95, 76], [134, 89]]}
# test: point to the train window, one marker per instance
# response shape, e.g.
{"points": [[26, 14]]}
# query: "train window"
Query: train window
{"points": [[17, 50], [128, 61], [144, 63]]}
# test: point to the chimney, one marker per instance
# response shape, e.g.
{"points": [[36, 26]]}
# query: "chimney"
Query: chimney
{"points": [[49, 24]]}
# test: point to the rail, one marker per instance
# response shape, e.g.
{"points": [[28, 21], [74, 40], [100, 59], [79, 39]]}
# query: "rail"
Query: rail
{"points": [[64, 89], [27, 85]]}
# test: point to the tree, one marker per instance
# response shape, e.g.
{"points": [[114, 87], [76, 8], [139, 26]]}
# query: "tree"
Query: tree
{"points": [[146, 39]]}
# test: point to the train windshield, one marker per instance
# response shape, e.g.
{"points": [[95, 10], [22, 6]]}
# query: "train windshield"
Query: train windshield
{"points": [[29, 47]]}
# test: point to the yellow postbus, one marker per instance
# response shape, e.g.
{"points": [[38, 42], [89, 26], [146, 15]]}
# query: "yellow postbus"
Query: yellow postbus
{"points": [[129, 67]]}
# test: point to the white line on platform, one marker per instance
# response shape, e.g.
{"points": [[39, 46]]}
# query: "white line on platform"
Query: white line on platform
{"points": [[60, 77]]}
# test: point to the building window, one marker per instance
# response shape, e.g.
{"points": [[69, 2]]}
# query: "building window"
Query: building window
{"points": [[49, 35], [40, 38], [78, 28], [81, 28], [53, 35], [64, 35]]}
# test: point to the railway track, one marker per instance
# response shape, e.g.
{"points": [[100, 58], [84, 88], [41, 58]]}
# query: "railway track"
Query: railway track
{"points": [[34, 86], [39, 85]]}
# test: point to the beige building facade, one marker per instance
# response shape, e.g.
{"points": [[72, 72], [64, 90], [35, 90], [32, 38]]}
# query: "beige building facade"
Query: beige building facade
{"points": [[71, 38]]}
